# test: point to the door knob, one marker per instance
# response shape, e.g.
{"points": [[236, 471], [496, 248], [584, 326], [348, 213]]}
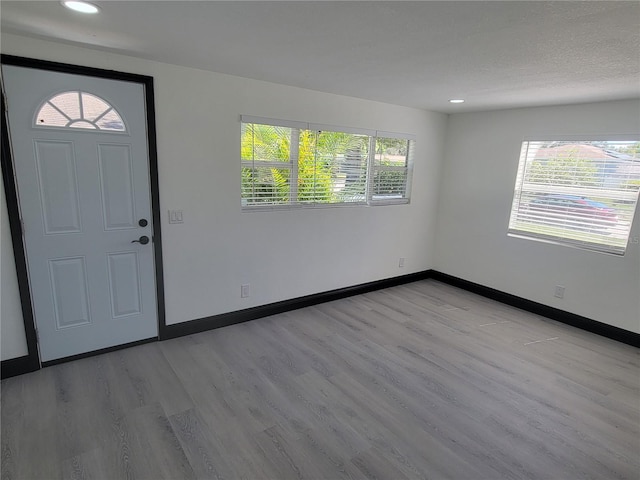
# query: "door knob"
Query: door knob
{"points": [[143, 240]]}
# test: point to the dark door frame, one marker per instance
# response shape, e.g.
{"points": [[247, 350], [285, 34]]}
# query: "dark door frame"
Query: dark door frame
{"points": [[31, 361]]}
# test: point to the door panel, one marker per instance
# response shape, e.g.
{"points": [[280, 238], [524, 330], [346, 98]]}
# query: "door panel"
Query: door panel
{"points": [[69, 291], [124, 284], [56, 168], [116, 186], [82, 192]]}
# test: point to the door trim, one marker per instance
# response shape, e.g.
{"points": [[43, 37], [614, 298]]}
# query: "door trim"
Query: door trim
{"points": [[31, 361]]}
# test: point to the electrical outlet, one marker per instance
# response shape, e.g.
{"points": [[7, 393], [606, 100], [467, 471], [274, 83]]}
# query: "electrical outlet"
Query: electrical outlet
{"points": [[401, 262], [245, 290], [559, 291]]}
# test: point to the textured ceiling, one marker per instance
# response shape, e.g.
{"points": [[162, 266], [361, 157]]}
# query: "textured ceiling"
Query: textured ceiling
{"points": [[419, 54]]}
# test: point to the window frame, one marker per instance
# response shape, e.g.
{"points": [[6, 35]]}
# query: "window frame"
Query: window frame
{"points": [[569, 240], [293, 165]]}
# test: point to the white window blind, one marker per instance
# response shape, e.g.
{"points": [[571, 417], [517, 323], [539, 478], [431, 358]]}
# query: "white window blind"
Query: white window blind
{"points": [[267, 166], [333, 167], [577, 193], [391, 169], [288, 163]]}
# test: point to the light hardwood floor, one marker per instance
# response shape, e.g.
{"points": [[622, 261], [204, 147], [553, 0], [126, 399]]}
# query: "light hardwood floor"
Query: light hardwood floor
{"points": [[418, 381]]}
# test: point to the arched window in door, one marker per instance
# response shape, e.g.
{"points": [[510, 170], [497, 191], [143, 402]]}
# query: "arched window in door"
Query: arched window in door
{"points": [[76, 109]]}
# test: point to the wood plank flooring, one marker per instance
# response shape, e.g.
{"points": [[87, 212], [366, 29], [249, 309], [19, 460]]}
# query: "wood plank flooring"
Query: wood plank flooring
{"points": [[417, 381]]}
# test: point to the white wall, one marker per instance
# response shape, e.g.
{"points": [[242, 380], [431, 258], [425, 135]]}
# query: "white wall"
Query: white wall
{"points": [[282, 254], [476, 192]]}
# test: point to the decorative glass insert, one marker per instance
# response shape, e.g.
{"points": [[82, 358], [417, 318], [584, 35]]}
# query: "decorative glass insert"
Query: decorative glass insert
{"points": [[81, 110]]}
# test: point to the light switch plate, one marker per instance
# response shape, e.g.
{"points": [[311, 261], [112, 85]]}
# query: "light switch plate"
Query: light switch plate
{"points": [[175, 216]]}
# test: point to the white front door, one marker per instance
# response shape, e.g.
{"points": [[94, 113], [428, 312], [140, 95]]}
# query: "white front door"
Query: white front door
{"points": [[82, 169]]}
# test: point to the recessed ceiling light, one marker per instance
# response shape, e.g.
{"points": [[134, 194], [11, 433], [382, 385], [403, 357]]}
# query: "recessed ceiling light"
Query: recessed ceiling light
{"points": [[456, 100], [82, 7]]}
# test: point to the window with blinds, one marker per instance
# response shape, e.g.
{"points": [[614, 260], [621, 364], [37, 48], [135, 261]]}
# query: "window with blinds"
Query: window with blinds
{"points": [[390, 168], [577, 193], [299, 164], [267, 165]]}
